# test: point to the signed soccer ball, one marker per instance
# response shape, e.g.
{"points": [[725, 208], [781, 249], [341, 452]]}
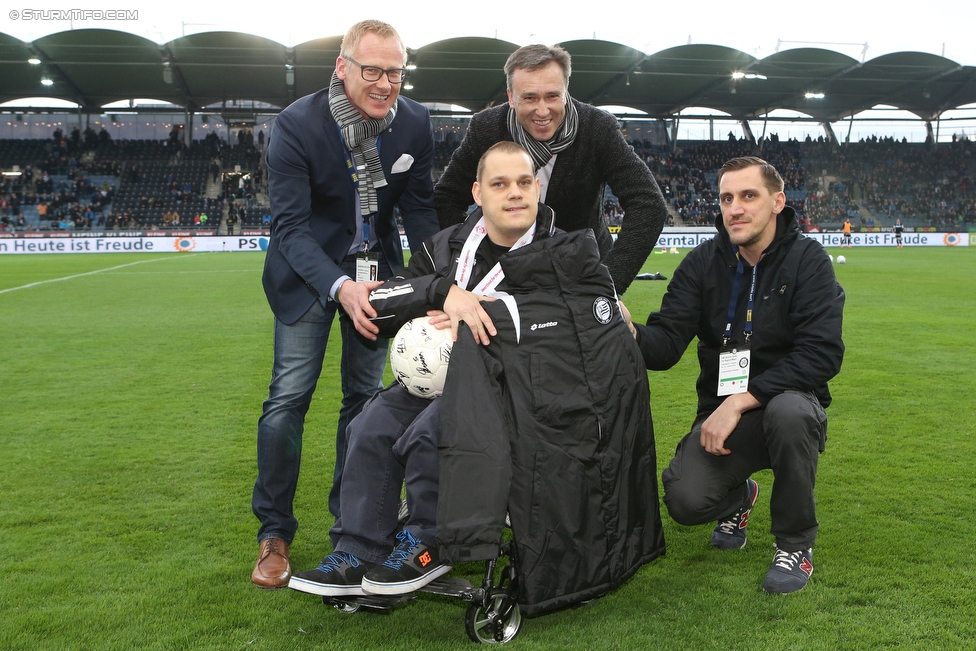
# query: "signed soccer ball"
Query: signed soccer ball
{"points": [[419, 355], [841, 259]]}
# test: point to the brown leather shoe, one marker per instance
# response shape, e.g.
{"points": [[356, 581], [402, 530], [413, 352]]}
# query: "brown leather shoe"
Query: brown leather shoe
{"points": [[272, 569]]}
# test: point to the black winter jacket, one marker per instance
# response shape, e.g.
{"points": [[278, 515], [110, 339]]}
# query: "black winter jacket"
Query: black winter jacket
{"points": [[424, 284], [799, 306], [552, 422]]}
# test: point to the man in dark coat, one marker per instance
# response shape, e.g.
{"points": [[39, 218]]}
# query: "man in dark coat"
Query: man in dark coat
{"points": [[767, 310], [577, 149]]}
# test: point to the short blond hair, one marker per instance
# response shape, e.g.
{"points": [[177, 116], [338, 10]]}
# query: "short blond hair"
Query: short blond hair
{"points": [[350, 42], [504, 147]]}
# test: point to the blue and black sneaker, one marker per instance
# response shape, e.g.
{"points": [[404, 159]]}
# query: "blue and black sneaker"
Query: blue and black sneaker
{"points": [[338, 575], [789, 572], [731, 532], [411, 566]]}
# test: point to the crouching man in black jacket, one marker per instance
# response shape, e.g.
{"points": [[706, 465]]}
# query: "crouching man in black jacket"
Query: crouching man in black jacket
{"points": [[395, 438], [767, 310]]}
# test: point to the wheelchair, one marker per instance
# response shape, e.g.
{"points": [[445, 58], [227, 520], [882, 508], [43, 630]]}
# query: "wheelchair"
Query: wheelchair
{"points": [[493, 615]]}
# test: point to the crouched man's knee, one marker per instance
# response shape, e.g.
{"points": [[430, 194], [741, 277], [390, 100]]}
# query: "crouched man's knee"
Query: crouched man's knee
{"points": [[796, 419], [683, 508], [686, 501]]}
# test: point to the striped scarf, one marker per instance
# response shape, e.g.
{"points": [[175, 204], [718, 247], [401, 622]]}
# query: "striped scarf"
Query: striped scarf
{"points": [[540, 151], [359, 135]]}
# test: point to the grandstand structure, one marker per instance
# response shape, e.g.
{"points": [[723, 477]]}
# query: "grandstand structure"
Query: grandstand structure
{"points": [[95, 166]]}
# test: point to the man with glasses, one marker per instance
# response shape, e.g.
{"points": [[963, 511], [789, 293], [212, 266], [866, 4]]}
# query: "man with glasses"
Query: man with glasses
{"points": [[339, 160], [577, 150]]}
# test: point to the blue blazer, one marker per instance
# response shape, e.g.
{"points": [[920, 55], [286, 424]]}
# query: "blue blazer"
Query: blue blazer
{"points": [[313, 199]]}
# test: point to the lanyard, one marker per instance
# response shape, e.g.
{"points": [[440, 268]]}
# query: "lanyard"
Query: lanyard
{"points": [[351, 168], [736, 286], [466, 262], [354, 175]]}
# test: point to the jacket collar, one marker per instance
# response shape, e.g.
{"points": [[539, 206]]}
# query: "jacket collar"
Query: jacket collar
{"points": [[545, 224], [787, 230]]}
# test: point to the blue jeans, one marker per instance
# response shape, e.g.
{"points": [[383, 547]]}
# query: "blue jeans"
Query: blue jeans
{"points": [[298, 353]]}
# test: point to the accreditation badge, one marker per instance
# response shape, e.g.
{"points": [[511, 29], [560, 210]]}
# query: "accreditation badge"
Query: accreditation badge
{"points": [[733, 370], [367, 267]]}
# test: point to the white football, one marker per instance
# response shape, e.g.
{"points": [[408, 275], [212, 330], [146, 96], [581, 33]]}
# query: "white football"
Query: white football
{"points": [[831, 257], [419, 356], [841, 259]]}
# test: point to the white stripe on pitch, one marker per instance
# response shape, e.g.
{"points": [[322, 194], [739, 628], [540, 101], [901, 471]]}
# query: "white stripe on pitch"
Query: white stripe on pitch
{"points": [[87, 273]]}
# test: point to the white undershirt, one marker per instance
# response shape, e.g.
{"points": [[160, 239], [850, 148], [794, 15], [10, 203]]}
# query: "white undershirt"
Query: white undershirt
{"points": [[544, 174]]}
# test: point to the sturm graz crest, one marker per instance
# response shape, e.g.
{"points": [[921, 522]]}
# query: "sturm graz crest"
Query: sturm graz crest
{"points": [[603, 309]]}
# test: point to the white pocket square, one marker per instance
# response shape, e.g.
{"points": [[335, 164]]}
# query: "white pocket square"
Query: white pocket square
{"points": [[403, 163]]}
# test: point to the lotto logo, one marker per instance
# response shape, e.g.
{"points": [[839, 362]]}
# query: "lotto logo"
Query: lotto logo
{"points": [[424, 559]]}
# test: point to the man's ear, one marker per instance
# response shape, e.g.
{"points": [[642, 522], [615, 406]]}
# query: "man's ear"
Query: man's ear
{"points": [[476, 193], [780, 203], [341, 67]]}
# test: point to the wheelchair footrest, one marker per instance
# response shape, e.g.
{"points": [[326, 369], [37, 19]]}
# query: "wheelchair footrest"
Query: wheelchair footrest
{"points": [[371, 602], [450, 586]]}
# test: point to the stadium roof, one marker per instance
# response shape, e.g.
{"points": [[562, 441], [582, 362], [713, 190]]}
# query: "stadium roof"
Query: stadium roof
{"points": [[94, 67]]}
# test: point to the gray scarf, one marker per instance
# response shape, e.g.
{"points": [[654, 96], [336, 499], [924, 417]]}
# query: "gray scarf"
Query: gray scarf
{"points": [[359, 135], [540, 151]]}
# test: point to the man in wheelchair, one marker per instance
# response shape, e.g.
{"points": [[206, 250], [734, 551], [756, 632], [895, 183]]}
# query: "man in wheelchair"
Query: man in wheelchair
{"points": [[394, 440], [545, 415]]}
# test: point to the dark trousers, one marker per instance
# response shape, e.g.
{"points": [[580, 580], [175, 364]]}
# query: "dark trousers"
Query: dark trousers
{"points": [[391, 442], [786, 436]]}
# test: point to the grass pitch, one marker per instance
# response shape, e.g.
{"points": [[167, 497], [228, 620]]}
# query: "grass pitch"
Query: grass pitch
{"points": [[131, 384]]}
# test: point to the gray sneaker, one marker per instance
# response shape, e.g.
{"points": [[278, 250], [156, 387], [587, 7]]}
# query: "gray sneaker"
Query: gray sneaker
{"points": [[789, 572], [731, 532]]}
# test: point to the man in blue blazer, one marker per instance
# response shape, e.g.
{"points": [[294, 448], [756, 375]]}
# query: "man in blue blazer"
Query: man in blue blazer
{"points": [[338, 162]]}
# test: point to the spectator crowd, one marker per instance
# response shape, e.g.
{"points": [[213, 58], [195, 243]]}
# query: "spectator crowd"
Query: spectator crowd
{"points": [[87, 180]]}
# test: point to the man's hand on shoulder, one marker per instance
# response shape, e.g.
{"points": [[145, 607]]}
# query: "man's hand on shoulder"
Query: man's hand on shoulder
{"points": [[461, 305], [354, 298], [719, 425], [626, 314]]}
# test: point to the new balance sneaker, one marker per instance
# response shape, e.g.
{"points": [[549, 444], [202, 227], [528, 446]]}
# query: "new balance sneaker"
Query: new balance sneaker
{"points": [[789, 572], [731, 532], [411, 566], [338, 575]]}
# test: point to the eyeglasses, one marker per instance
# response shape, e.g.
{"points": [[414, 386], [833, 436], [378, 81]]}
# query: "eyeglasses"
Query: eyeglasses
{"points": [[372, 73]]}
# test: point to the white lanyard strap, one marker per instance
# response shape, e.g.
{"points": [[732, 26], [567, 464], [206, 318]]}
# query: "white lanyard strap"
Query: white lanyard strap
{"points": [[466, 262]]}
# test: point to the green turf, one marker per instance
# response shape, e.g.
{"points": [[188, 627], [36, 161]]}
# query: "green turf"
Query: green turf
{"points": [[129, 400]]}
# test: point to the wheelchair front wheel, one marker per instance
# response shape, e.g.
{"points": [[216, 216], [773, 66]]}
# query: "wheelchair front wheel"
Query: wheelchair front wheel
{"points": [[489, 625]]}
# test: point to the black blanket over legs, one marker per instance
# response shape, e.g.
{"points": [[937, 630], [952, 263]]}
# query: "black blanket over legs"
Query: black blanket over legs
{"points": [[552, 423]]}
